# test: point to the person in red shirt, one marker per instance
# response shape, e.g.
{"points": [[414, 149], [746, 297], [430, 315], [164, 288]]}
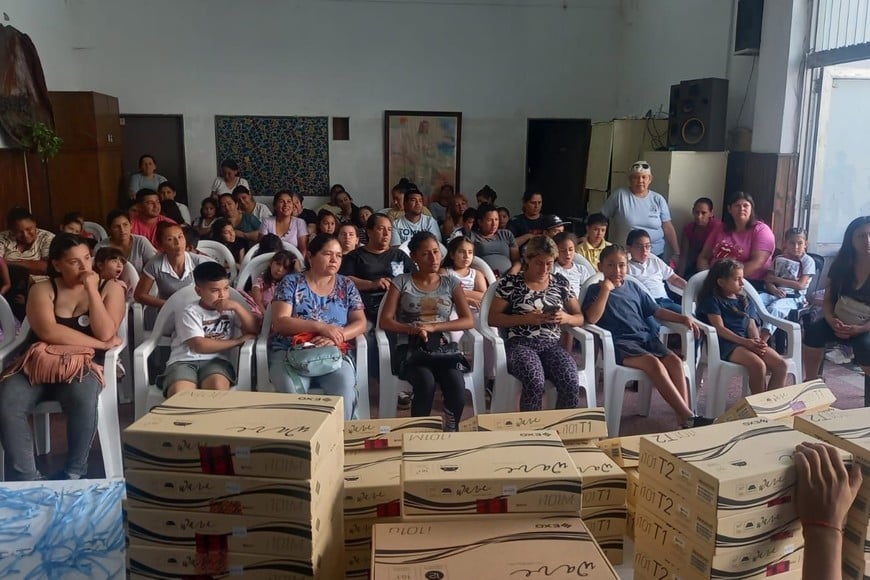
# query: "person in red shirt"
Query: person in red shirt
{"points": [[145, 222]]}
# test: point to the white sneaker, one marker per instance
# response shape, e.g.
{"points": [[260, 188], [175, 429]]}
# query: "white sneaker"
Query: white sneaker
{"points": [[837, 357]]}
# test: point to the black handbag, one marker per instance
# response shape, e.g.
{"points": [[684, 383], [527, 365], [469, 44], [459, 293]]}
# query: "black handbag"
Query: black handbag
{"points": [[436, 351]]}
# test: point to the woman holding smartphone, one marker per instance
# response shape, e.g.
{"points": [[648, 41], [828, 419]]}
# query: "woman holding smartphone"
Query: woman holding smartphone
{"points": [[533, 305]]}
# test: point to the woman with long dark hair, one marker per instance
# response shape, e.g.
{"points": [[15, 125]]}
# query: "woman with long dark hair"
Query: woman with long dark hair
{"points": [[847, 305], [743, 237], [72, 307]]}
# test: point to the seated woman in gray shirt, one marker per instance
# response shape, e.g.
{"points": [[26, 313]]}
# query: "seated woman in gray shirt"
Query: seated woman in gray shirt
{"points": [[419, 305]]}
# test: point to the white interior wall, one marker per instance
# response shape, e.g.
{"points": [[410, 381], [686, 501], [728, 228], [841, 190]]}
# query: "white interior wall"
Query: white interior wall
{"points": [[498, 64], [663, 42]]}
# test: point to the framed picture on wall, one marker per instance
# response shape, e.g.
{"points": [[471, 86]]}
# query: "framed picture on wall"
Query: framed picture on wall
{"points": [[422, 146]]}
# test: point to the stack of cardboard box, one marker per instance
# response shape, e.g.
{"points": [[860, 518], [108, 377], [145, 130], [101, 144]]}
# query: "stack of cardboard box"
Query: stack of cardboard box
{"points": [[236, 483], [782, 404], [372, 491], [849, 430], [602, 481], [718, 502], [625, 452]]}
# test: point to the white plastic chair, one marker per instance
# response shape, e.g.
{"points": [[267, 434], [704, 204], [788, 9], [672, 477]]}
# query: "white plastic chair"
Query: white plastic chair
{"points": [[130, 277], [146, 393], [390, 384], [720, 372], [96, 230], [220, 254], [616, 376], [252, 269], [108, 425], [507, 388], [264, 383], [582, 261], [185, 212], [252, 251]]}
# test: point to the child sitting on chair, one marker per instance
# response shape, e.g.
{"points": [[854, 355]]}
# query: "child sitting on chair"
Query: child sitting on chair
{"points": [[786, 284], [722, 305], [109, 264], [622, 308], [651, 271], [592, 244], [204, 333]]}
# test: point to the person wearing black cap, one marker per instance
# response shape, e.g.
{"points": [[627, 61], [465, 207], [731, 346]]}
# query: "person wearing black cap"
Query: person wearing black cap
{"points": [[553, 225]]}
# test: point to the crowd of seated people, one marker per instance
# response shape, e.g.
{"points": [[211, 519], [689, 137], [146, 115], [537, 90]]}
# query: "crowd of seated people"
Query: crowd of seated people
{"points": [[390, 270]]}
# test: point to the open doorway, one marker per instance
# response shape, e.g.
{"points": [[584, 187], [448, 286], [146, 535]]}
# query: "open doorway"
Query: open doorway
{"points": [[840, 168], [161, 136], [556, 155]]}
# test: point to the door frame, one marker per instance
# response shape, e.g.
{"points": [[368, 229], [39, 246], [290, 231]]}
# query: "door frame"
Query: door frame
{"points": [[180, 117]]}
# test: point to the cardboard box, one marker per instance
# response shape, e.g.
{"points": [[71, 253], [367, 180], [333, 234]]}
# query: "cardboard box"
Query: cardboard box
{"points": [[488, 549], [603, 481], [229, 533], [173, 563], [856, 568], [606, 522], [614, 550], [632, 486], [783, 403], [844, 429], [371, 483], [855, 538], [692, 557], [570, 424], [357, 563], [382, 433], [485, 473], [731, 467], [237, 433], [358, 531], [652, 564], [629, 524], [295, 500], [712, 532], [625, 451]]}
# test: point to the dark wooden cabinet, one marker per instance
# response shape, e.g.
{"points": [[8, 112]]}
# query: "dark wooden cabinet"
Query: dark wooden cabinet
{"points": [[86, 175], [21, 173], [771, 179]]}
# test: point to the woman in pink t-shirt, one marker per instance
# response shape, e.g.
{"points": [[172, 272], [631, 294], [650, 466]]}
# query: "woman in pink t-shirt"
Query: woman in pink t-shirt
{"points": [[743, 237]]}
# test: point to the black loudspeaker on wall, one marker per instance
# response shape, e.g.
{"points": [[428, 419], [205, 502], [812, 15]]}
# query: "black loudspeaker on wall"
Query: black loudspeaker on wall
{"points": [[747, 34], [697, 115]]}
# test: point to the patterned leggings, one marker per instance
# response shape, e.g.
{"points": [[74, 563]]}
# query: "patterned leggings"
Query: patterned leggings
{"points": [[533, 361]]}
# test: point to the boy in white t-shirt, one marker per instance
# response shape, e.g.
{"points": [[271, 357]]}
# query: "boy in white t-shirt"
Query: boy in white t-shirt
{"points": [[652, 271], [575, 273], [204, 333], [786, 284]]}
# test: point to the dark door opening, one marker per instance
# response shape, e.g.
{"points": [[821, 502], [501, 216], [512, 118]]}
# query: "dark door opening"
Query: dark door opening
{"points": [[161, 136], [556, 155]]}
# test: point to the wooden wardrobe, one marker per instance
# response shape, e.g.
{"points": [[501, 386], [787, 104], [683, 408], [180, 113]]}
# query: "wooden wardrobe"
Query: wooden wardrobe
{"points": [[86, 175]]}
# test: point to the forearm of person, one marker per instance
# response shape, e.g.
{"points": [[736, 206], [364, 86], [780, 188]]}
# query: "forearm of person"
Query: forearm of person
{"points": [[523, 239], [58, 334], [364, 285], [754, 263], [458, 324], [35, 267], [253, 236], [474, 295], [595, 311], [203, 345], [703, 262], [505, 320], [823, 549], [677, 281], [354, 329], [671, 237], [291, 325], [515, 268], [149, 300], [573, 320], [249, 323]]}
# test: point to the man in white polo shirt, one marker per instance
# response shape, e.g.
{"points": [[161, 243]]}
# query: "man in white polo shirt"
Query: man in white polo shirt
{"points": [[413, 221]]}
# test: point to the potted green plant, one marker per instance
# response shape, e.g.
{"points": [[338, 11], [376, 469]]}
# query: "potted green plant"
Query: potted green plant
{"points": [[43, 141]]}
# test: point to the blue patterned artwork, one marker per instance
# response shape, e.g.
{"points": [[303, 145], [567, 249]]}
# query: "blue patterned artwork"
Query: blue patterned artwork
{"points": [[276, 153], [62, 530]]}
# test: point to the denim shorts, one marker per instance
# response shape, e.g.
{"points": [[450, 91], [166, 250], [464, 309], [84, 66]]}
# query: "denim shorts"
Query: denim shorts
{"points": [[195, 371]]}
